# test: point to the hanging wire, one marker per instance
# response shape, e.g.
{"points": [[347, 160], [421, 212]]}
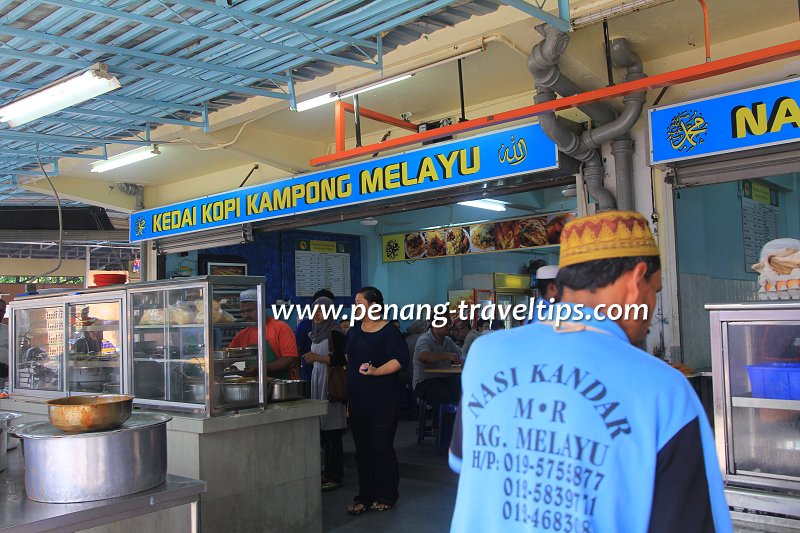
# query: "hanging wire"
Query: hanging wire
{"points": [[60, 220]]}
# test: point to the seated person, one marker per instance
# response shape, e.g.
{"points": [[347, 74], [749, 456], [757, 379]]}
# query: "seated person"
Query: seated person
{"points": [[434, 349], [90, 343], [464, 335], [280, 348]]}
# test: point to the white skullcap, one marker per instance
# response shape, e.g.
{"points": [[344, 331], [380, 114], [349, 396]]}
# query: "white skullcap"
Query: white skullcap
{"points": [[547, 272], [250, 295]]}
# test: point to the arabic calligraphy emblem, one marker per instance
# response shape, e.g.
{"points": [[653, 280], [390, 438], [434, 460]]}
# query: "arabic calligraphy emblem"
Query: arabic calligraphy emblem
{"points": [[686, 130], [140, 226], [513, 154], [392, 248]]}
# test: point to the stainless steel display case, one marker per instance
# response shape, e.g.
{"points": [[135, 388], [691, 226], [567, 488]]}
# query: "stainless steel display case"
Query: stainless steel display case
{"points": [[67, 343], [176, 359], [163, 341], [755, 356]]}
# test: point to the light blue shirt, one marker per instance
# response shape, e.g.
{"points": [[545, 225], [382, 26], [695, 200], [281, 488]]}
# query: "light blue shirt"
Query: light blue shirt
{"points": [[567, 427]]}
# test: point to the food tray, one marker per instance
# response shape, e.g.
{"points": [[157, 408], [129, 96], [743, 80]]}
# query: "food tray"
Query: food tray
{"points": [[776, 381]]}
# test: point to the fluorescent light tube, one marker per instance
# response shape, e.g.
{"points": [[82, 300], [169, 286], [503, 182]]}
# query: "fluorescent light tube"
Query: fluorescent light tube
{"points": [[377, 84], [59, 95], [126, 158], [317, 101], [619, 10], [485, 203]]}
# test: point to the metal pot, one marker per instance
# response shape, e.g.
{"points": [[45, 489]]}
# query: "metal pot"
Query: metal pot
{"points": [[81, 467], [5, 422], [89, 413], [284, 390], [241, 393]]}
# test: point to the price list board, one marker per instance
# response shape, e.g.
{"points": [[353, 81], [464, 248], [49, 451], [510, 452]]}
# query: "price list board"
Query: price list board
{"points": [[322, 265], [760, 223]]}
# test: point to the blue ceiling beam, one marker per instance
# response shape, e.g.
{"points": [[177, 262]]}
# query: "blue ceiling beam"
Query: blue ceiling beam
{"points": [[539, 13], [64, 139], [90, 45], [136, 119], [82, 65], [7, 153], [270, 21], [151, 103], [360, 23], [60, 120], [197, 30]]}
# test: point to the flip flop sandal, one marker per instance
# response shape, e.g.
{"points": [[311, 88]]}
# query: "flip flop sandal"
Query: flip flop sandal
{"points": [[380, 507], [354, 509]]}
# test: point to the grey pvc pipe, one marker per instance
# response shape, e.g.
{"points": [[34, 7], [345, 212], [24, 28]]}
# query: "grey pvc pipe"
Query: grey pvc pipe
{"points": [[593, 175], [622, 149]]}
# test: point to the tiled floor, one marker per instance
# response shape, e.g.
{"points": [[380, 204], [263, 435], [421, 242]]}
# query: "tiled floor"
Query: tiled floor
{"points": [[427, 494]]}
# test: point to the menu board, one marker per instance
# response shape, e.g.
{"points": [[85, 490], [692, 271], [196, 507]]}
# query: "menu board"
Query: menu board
{"points": [[322, 265], [760, 219], [495, 236]]}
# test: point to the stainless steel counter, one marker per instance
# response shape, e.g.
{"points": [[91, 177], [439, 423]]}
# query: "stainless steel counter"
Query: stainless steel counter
{"points": [[18, 514]]}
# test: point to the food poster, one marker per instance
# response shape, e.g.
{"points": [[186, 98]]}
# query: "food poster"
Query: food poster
{"points": [[513, 234]]}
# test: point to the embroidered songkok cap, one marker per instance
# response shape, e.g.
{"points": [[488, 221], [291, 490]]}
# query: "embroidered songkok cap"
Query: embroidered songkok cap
{"points": [[606, 235]]}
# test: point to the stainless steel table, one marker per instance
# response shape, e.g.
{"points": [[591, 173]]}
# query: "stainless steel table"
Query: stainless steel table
{"points": [[18, 514]]}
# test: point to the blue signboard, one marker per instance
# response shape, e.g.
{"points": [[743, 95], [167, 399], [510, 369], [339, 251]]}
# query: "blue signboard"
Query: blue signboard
{"points": [[509, 152], [741, 120]]}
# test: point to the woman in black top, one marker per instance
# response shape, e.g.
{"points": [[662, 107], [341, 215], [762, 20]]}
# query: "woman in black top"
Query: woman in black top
{"points": [[376, 352]]}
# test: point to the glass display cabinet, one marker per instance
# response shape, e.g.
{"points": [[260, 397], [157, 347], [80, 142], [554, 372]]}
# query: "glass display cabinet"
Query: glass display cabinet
{"points": [[67, 344], [166, 342], [180, 331], [756, 375]]}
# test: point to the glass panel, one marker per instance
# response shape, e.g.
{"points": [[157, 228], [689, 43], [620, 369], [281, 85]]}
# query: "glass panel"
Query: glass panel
{"points": [[228, 321], [764, 372], [169, 345], [95, 341], [39, 348], [760, 356], [766, 441]]}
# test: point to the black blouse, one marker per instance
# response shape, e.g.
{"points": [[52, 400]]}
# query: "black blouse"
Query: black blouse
{"points": [[373, 395]]}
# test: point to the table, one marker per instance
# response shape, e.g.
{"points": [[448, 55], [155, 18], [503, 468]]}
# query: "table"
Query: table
{"points": [[18, 514]]}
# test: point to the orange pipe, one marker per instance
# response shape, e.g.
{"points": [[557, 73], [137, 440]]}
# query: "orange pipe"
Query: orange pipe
{"points": [[675, 77], [380, 117], [338, 121], [705, 29]]}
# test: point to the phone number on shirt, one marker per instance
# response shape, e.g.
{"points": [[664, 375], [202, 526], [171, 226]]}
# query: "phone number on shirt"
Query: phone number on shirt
{"points": [[550, 495], [546, 519], [576, 475]]}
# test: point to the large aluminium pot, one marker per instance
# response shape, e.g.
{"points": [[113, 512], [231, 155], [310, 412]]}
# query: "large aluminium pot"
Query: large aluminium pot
{"points": [[5, 422], [65, 467]]}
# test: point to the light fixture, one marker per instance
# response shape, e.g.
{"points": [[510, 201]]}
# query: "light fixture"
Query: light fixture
{"points": [[369, 221], [338, 95], [210, 238], [485, 203], [60, 95], [317, 101], [623, 8], [377, 84], [126, 158]]}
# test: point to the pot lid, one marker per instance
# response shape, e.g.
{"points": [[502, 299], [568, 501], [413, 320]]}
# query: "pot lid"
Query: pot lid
{"points": [[45, 430]]}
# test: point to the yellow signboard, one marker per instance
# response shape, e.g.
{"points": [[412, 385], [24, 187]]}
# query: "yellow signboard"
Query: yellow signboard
{"points": [[393, 248], [323, 246]]}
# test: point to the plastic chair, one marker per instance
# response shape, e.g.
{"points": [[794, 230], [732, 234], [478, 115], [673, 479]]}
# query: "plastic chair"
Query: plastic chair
{"points": [[447, 415], [423, 409]]}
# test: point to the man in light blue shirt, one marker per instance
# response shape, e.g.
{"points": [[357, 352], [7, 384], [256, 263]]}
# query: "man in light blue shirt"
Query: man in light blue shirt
{"points": [[566, 426]]}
